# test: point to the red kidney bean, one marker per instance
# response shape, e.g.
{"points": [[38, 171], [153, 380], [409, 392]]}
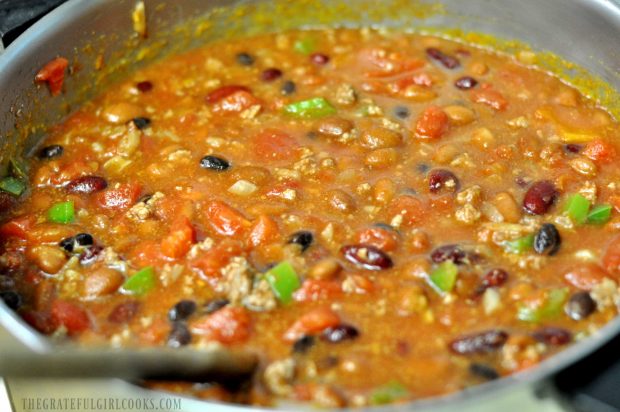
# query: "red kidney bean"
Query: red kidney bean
{"points": [[339, 333], [86, 185], [449, 62], [547, 240], [553, 336], [573, 148], [442, 179], [580, 306], [539, 197], [483, 342], [271, 74], [465, 83], [454, 253], [144, 86], [124, 312], [494, 277], [367, 257], [319, 59]]}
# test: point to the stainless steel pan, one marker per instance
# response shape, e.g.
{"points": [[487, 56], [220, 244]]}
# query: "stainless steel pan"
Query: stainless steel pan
{"points": [[585, 32]]}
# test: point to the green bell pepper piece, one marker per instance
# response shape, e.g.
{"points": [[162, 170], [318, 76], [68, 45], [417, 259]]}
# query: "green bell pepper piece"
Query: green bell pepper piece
{"points": [[310, 109], [12, 185], [304, 46], [549, 310], [600, 214], [140, 282], [283, 281], [388, 393], [444, 276], [519, 245], [577, 208], [63, 212]]}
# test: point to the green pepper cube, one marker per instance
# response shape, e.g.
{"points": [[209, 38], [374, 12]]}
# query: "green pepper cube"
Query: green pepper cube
{"points": [[12, 185], [551, 308], [140, 282], [63, 212], [600, 214], [304, 46], [519, 245], [388, 393], [283, 281], [310, 109], [577, 208], [444, 276]]}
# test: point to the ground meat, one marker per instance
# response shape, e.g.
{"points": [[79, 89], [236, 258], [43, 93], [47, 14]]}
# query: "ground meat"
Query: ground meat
{"points": [[143, 210], [345, 95], [236, 280], [279, 376], [261, 298]]}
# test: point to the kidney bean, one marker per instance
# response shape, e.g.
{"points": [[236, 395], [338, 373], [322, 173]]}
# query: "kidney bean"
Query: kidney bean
{"points": [[182, 310], [484, 371], [124, 312], [573, 148], [447, 61], [367, 257], [552, 335], [303, 238], [547, 241], [539, 197], [465, 83], [442, 179], [271, 74], [494, 277], [49, 152], [339, 333], [303, 344], [455, 253], [319, 59], [483, 342], [179, 336], [86, 185], [144, 86], [580, 306]]}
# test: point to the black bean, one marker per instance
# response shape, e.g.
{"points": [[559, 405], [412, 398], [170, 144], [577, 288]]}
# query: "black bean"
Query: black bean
{"points": [[182, 310], [454, 253], [547, 241], [124, 312], [319, 59], [214, 305], [90, 254], [483, 342], [401, 112], [76, 242], [214, 163], [442, 179], [144, 86], [288, 87], [367, 257], [271, 74], [465, 83], [12, 299], [49, 152], [339, 333], [539, 197], [572, 148], [244, 59], [6, 283], [553, 336], [303, 238], [449, 62], [141, 122], [86, 185], [580, 306], [179, 336], [422, 167], [303, 344], [483, 371]]}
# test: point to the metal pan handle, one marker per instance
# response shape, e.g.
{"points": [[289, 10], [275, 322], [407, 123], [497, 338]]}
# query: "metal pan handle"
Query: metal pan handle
{"points": [[17, 15]]}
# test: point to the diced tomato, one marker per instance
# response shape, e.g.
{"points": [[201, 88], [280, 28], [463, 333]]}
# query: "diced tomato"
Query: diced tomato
{"points": [[264, 230], [41, 321], [155, 333], [600, 151], [225, 91], [69, 315], [312, 322], [611, 259], [228, 325], [18, 227], [432, 123], [315, 289], [361, 284], [274, 144], [210, 262], [236, 102], [490, 97], [418, 79], [384, 239], [225, 219], [410, 207], [378, 62], [147, 253], [179, 240], [585, 276], [53, 73], [120, 198]]}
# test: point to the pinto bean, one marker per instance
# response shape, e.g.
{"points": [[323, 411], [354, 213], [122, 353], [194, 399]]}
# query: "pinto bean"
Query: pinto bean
{"points": [[378, 137]]}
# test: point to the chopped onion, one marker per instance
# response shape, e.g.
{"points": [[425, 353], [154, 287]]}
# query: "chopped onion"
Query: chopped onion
{"points": [[242, 188], [491, 300]]}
